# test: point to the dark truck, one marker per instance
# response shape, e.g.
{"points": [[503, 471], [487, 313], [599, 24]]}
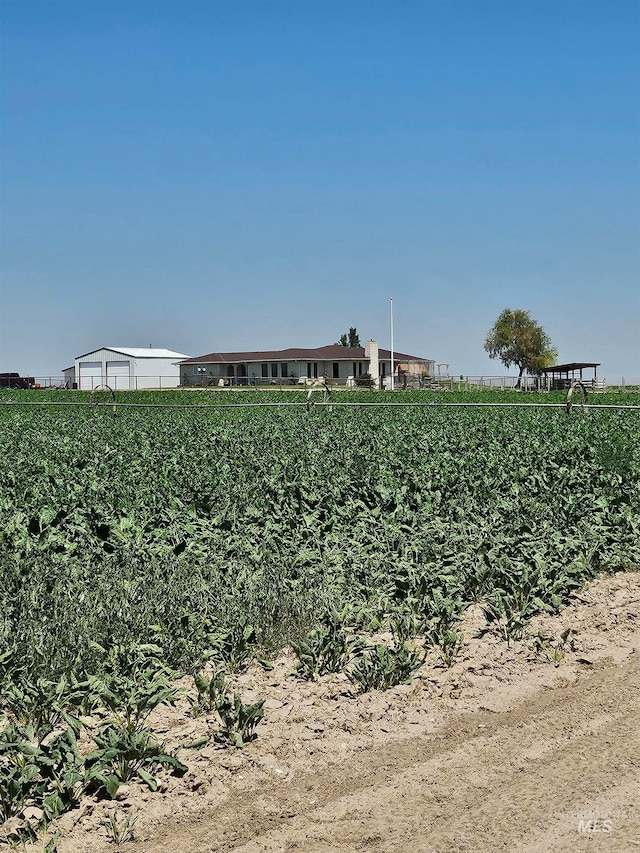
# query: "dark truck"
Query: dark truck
{"points": [[14, 380]]}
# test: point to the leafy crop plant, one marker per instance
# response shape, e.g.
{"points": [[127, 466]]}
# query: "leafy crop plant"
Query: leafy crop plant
{"points": [[381, 667]]}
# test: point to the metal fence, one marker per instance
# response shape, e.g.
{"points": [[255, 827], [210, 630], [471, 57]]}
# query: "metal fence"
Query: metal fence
{"points": [[285, 382], [407, 382], [534, 383], [524, 383], [118, 383]]}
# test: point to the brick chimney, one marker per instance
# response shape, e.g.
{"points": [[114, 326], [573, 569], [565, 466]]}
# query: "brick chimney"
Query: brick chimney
{"points": [[371, 354]]}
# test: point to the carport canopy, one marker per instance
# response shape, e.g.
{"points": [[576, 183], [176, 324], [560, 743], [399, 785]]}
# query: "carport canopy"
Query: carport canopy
{"points": [[563, 370]]}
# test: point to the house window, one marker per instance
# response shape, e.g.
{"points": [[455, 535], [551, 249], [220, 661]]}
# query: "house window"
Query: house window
{"points": [[274, 371], [284, 370], [355, 369], [336, 370], [265, 371], [315, 369], [308, 370]]}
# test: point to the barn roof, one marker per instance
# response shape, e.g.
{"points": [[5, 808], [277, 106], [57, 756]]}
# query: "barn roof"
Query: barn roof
{"points": [[140, 352]]}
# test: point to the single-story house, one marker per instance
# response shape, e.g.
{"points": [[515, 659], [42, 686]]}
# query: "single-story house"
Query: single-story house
{"points": [[125, 368], [339, 365]]}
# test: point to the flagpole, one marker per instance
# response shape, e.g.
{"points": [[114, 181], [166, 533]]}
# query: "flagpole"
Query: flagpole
{"points": [[391, 322]]}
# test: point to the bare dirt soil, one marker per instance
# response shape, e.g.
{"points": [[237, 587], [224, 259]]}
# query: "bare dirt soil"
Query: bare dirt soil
{"points": [[511, 749]]}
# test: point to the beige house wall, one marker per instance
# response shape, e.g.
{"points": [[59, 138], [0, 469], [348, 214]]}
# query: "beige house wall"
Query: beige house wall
{"points": [[192, 373]]}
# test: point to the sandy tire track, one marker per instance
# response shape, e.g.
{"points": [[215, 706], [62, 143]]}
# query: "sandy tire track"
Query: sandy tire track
{"points": [[515, 780]]}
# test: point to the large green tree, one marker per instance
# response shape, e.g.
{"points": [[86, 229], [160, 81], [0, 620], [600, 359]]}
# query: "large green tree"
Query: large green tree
{"points": [[350, 340], [515, 338]]}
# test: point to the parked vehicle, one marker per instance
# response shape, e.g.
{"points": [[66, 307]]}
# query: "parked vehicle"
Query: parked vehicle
{"points": [[14, 380]]}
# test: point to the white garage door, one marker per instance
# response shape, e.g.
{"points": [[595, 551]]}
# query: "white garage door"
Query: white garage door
{"points": [[118, 374], [90, 375]]}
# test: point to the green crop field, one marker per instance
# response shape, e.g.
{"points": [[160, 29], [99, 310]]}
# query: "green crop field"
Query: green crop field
{"points": [[142, 543]]}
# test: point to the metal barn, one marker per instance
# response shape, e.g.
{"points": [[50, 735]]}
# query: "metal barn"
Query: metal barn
{"points": [[128, 368]]}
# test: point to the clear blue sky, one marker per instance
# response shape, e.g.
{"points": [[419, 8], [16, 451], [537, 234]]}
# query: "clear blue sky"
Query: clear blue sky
{"points": [[205, 175]]}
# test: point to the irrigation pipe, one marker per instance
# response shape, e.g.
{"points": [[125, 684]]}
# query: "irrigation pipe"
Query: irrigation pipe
{"points": [[303, 404]]}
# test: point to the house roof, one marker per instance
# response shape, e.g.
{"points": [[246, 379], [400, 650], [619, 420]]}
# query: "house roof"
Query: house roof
{"points": [[140, 352], [574, 365], [333, 352]]}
